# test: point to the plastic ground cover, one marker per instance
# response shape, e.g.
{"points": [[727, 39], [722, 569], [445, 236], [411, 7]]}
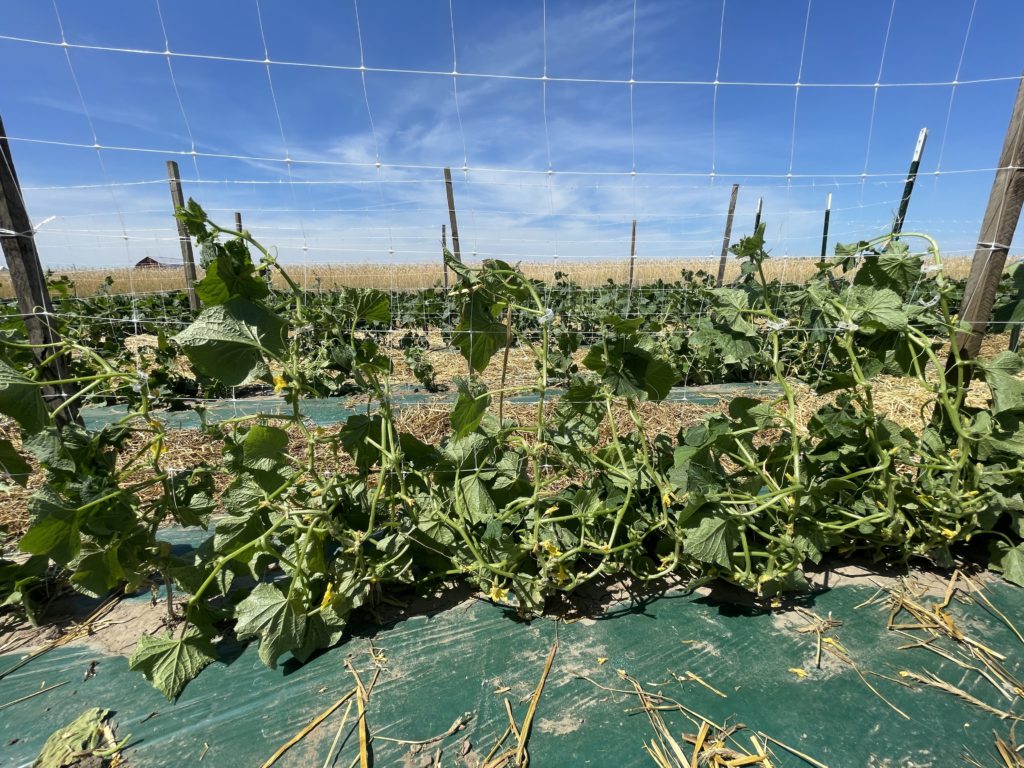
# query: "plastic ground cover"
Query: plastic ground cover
{"points": [[469, 657], [333, 410]]}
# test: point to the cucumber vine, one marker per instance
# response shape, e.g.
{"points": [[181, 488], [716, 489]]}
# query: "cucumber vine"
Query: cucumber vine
{"points": [[315, 523]]}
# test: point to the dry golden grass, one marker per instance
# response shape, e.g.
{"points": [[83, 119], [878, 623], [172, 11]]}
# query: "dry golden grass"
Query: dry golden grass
{"points": [[409, 277]]}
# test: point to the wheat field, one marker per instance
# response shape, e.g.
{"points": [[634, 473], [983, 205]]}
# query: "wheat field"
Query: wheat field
{"points": [[410, 277]]}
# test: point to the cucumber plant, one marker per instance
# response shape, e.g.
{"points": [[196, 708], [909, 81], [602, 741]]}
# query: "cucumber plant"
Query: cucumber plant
{"points": [[315, 523]]}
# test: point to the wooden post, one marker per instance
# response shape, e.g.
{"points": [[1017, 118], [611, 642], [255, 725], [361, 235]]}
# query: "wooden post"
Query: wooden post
{"points": [[238, 221], [997, 228], [632, 255], [444, 264], [727, 235], [29, 282], [757, 214], [824, 229], [178, 201], [451, 214], [908, 188]]}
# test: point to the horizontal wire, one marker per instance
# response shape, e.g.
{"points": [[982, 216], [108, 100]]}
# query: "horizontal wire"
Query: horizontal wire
{"points": [[502, 76], [468, 180], [96, 146]]}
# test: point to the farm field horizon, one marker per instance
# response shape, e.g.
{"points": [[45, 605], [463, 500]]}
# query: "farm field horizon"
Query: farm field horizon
{"points": [[89, 281]]}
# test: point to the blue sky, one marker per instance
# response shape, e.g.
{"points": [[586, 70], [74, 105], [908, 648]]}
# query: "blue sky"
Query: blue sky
{"points": [[331, 203]]}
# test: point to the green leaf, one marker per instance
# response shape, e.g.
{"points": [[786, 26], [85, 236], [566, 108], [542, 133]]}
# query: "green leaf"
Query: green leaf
{"points": [[1001, 375], [752, 413], [355, 437], [264, 449], [1010, 561], [469, 408], [169, 663], [478, 505], [1003, 433], [54, 531], [98, 572], [370, 305], [194, 218], [897, 270], [877, 309], [228, 341], [710, 541], [13, 464], [230, 275], [579, 414], [21, 399], [277, 619], [417, 453], [232, 532], [679, 473], [723, 344], [850, 249], [468, 452], [478, 335], [731, 303], [46, 447], [630, 371], [318, 634], [461, 270]]}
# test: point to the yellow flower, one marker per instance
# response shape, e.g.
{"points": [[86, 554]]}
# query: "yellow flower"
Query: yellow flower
{"points": [[279, 383], [801, 673], [949, 533], [551, 549], [602, 659], [497, 594], [328, 595]]}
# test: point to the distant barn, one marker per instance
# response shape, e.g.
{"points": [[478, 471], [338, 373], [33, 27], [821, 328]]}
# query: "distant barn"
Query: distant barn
{"points": [[150, 263]]}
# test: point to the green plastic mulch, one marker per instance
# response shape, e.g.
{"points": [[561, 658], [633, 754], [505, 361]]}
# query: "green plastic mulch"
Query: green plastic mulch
{"points": [[469, 657], [333, 410]]}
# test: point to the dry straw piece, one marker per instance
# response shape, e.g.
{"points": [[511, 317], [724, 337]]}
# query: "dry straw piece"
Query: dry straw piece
{"points": [[517, 756], [713, 746], [933, 628]]}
